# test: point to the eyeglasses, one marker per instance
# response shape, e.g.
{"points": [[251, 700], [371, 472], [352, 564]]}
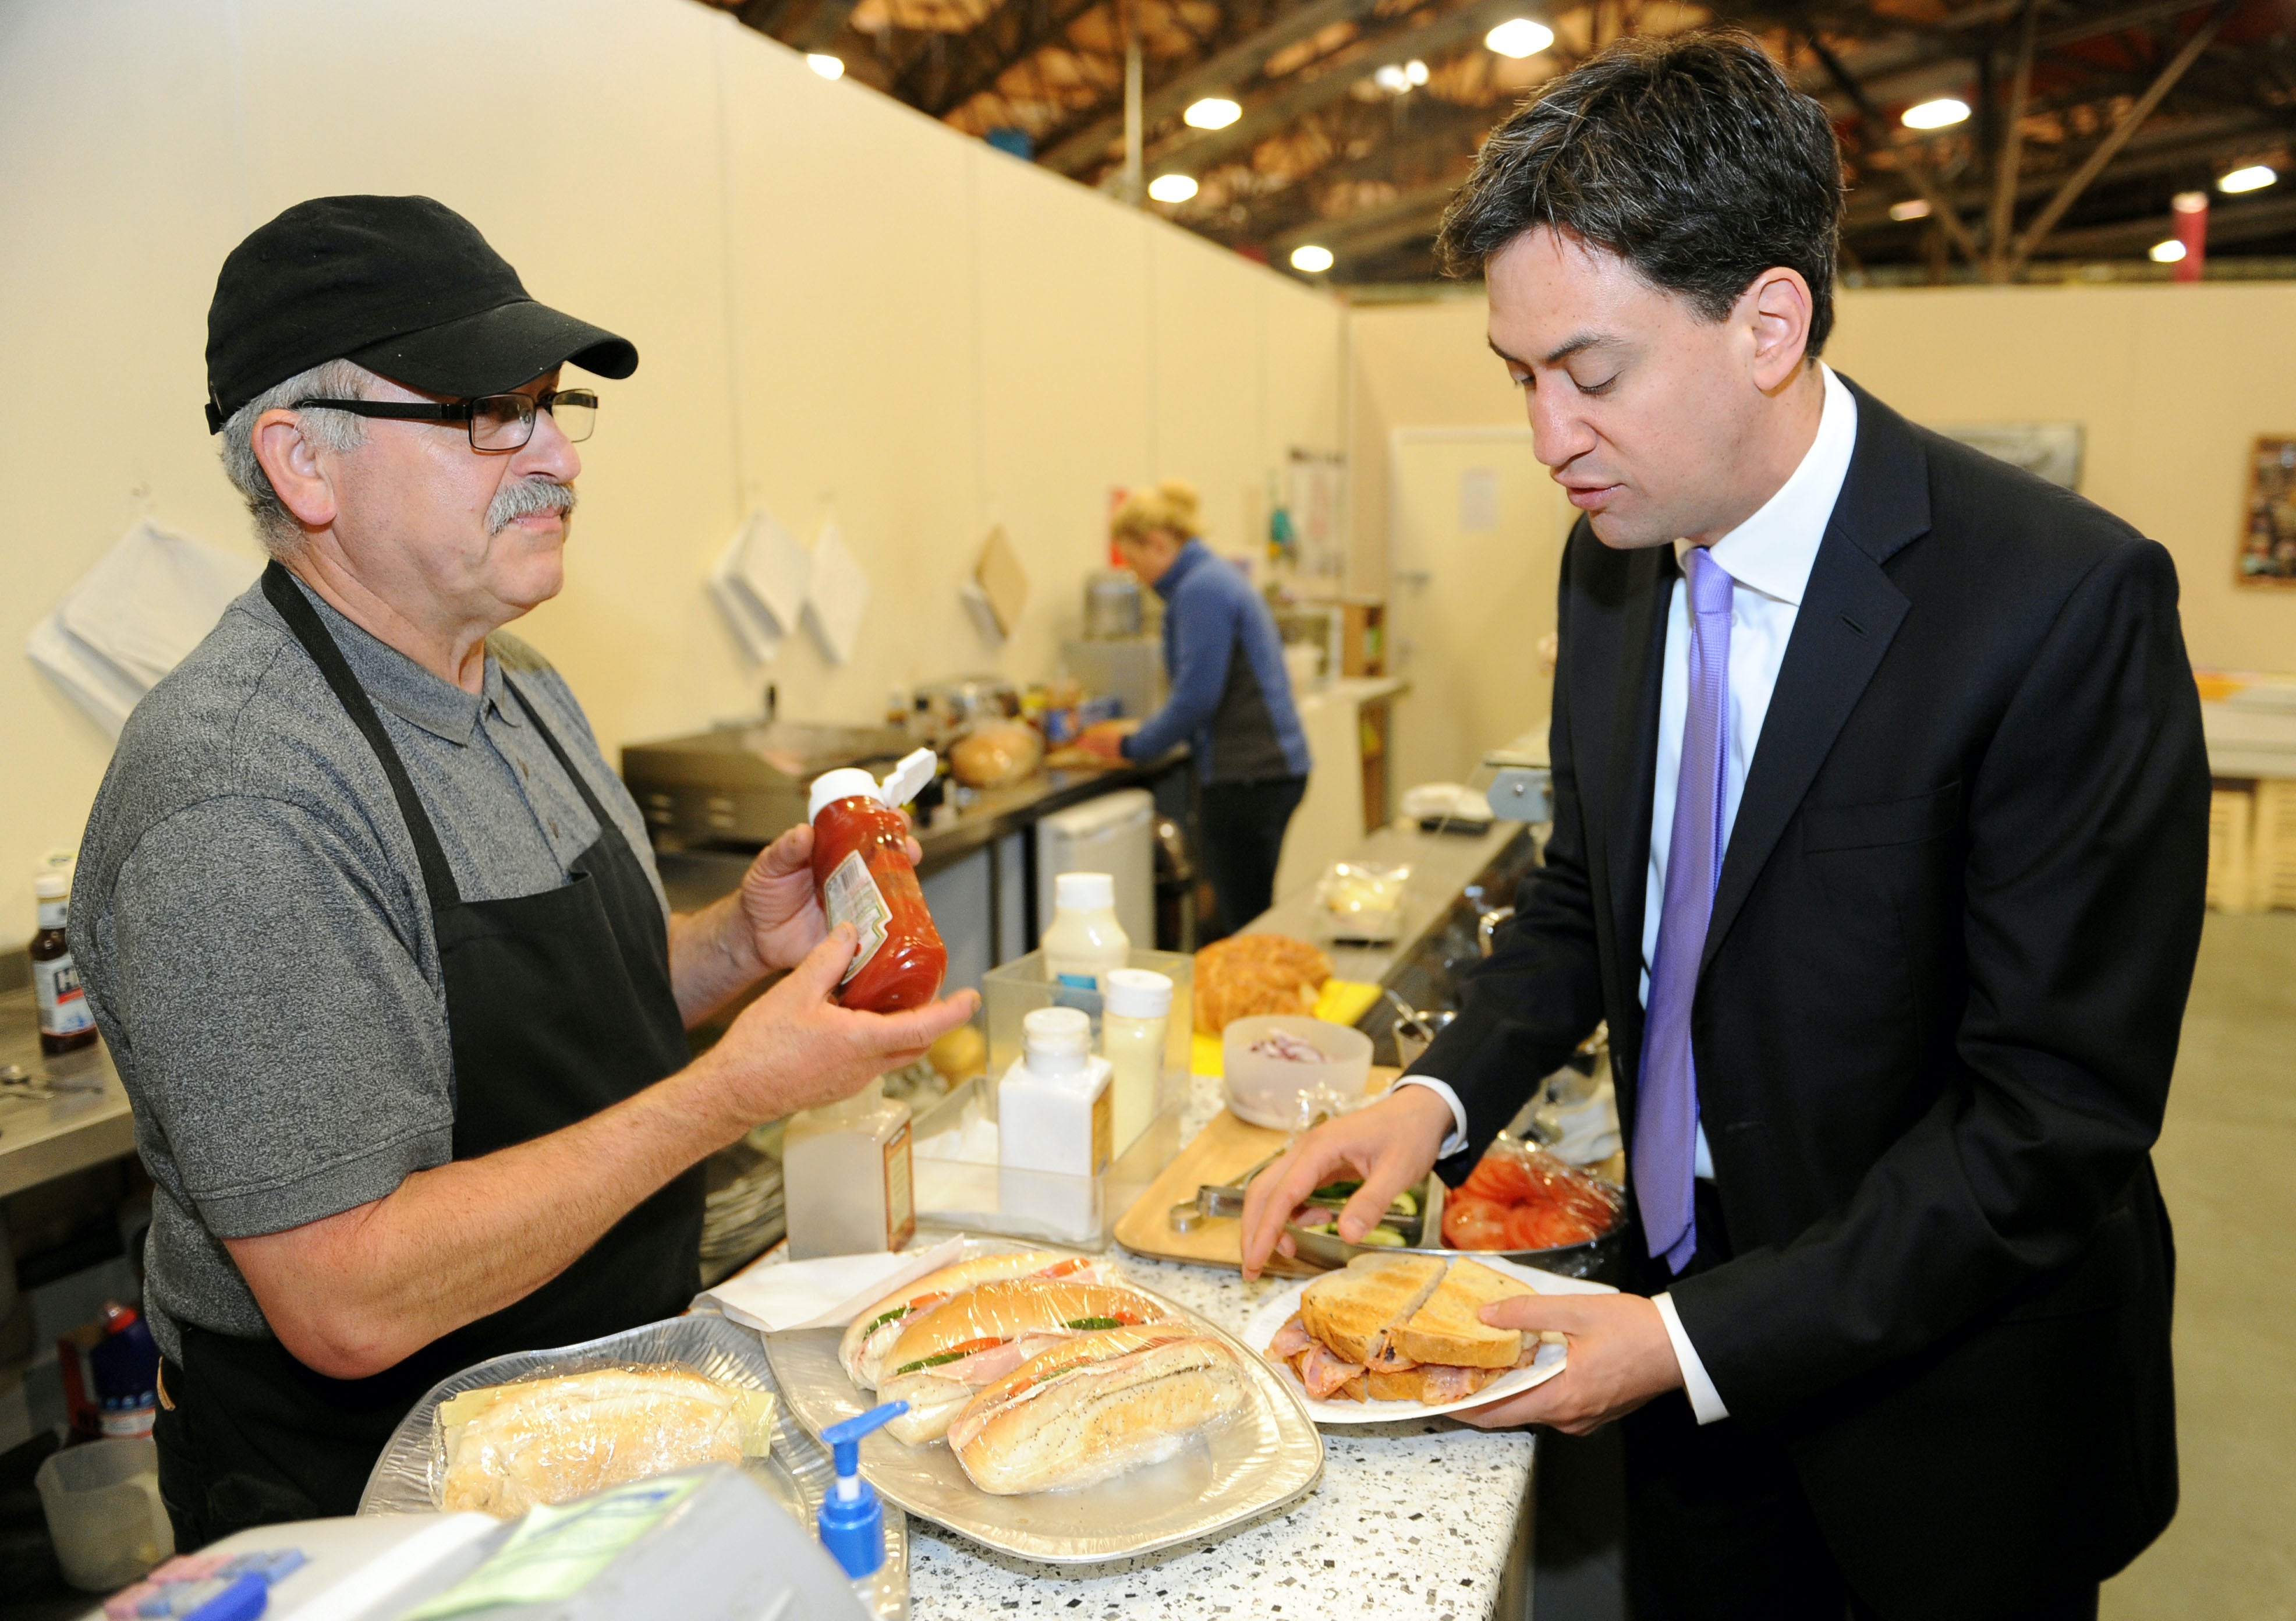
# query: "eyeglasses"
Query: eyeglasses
{"points": [[496, 422]]}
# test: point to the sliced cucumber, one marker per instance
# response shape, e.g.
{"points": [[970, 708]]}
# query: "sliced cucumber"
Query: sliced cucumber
{"points": [[1385, 1237]]}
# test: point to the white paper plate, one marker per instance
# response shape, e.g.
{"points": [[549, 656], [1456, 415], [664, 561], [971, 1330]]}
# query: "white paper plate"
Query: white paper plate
{"points": [[1277, 1310]]}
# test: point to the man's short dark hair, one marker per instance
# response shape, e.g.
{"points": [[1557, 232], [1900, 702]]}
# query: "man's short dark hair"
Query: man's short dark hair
{"points": [[1690, 157]]}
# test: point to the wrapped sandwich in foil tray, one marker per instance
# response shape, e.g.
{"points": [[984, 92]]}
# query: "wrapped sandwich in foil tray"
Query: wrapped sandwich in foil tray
{"points": [[1268, 1457], [409, 1476]]}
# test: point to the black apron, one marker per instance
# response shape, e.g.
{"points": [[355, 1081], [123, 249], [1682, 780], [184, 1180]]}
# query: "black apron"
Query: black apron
{"points": [[558, 1005]]}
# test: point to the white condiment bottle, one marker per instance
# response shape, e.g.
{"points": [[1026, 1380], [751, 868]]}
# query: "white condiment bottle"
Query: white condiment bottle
{"points": [[846, 1176], [1136, 1009], [1086, 941], [1054, 1127]]}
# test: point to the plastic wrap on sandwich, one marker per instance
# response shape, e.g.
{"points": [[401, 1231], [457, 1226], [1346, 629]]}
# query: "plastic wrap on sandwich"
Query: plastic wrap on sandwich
{"points": [[875, 1332], [1100, 1405], [508, 1447]]}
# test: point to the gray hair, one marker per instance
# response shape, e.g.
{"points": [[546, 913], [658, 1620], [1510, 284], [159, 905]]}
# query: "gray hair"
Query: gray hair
{"points": [[338, 431]]}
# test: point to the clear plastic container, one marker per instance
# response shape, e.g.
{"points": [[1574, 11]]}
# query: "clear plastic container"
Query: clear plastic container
{"points": [[103, 1504], [846, 1177], [1086, 940]]}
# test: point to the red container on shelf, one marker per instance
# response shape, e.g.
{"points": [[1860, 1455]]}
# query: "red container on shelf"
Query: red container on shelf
{"points": [[861, 870]]}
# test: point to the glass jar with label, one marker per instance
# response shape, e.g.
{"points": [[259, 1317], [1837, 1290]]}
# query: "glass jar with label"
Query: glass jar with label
{"points": [[66, 1021], [846, 1174], [861, 870]]}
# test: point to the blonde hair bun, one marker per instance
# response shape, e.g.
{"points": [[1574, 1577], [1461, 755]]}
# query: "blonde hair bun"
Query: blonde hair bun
{"points": [[1172, 506]]}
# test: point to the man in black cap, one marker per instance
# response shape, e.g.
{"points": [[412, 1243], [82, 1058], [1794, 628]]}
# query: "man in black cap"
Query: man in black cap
{"points": [[373, 931]]}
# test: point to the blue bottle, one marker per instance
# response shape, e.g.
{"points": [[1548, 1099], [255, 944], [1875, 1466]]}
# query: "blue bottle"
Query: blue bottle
{"points": [[852, 1524]]}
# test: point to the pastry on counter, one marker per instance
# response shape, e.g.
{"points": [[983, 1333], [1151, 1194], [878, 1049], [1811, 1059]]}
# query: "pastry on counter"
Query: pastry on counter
{"points": [[1246, 974]]}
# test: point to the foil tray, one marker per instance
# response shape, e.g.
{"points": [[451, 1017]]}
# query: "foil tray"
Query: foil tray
{"points": [[797, 1474], [1265, 1458]]}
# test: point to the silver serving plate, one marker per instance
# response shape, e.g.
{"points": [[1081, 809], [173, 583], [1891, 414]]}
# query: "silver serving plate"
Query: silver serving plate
{"points": [[410, 1477], [1267, 1457]]}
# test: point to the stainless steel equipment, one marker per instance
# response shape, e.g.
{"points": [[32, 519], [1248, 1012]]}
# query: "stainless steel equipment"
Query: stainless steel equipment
{"points": [[745, 784], [1131, 670], [942, 711], [1112, 606]]}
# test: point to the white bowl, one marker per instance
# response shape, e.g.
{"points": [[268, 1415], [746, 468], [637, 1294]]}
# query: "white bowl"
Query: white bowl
{"points": [[1267, 1091]]}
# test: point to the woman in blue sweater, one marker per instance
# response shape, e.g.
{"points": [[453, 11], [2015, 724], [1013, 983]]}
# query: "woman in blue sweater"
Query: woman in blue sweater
{"points": [[1230, 699]]}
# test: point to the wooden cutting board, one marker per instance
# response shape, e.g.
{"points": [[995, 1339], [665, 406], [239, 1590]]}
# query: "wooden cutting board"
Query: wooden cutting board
{"points": [[1223, 1150]]}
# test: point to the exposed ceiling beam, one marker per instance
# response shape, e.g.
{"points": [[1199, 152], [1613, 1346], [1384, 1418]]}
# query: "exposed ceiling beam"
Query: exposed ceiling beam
{"points": [[1263, 118], [997, 46], [2004, 215], [2077, 182], [1439, 133], [1350, 231], [1877, 136], [1232, 67], [2244, 222]]}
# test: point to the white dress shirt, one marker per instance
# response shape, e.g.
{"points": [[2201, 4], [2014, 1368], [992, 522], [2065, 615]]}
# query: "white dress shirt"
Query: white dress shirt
{"points": [[1769, 556]]}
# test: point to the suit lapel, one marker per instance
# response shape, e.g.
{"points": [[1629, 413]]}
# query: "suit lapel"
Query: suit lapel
{"points": [[1650, 574], [1849, 614]]}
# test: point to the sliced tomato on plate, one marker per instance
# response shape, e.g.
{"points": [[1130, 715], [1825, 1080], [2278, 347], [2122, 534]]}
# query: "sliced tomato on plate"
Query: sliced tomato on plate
{"points": [[1470, 1223]]}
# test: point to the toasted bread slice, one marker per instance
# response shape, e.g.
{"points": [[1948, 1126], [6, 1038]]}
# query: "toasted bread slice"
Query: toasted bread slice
{"points": [[1448, 1325], [1403, 1386], [1350, 1309]]}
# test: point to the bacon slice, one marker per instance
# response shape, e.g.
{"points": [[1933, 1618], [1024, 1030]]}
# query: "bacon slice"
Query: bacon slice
{"points": [[1323, 1373], [1289, 1340], [1386, 1359], [1442, 1383]]}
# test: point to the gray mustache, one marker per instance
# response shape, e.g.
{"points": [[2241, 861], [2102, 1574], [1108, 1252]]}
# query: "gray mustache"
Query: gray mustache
{"points": [[514, 501]]}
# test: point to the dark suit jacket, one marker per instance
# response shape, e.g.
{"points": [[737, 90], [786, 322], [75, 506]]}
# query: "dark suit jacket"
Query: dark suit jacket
{"points": [[1936, 1015]]}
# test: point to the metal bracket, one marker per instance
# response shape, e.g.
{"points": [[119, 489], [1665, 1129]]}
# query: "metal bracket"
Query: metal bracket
{"points": [[1523, 794]]}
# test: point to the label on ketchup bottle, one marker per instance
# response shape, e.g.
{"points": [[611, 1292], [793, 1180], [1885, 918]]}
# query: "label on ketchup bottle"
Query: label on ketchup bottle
{"points": [[851, 895]]}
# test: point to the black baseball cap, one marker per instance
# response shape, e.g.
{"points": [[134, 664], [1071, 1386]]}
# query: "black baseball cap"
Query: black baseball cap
{"points": [[404, 286]]}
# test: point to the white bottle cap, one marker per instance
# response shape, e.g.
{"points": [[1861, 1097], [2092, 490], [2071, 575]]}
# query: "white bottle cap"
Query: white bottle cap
{"points": [[1058, 1040], [1084, 892], [1136, 993], [52, 886], [848, 782]]}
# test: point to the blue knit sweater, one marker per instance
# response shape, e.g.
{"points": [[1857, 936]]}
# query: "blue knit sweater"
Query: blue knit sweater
{"points": [[1231, 696]]}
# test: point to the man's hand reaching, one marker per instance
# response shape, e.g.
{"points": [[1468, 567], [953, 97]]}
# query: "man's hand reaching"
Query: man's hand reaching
{"points": [[1390, 1144]]}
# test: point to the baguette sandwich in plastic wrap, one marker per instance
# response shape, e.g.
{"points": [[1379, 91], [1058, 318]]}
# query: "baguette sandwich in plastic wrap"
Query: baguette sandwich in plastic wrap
{"points": [[872, 1334]]}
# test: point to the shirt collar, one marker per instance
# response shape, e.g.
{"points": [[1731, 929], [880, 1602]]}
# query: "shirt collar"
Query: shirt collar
{"points": [[397, 683], [1194, 552], [1774, 550]]}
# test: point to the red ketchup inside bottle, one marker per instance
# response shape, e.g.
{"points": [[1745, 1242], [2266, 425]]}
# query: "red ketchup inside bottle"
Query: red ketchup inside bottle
{"points": [[863, 874]]}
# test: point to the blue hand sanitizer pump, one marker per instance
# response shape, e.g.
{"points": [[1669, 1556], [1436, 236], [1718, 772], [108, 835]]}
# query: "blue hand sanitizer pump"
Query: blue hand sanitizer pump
{"points": [[851, 1523]]}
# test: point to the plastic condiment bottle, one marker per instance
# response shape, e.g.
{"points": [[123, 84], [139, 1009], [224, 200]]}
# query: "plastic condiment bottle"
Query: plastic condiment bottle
{"points": [[1137, 1008], [846, 1176], [1086, 941], [862, 872], [851, 1521], [66, 1021], [1055, 1126]]}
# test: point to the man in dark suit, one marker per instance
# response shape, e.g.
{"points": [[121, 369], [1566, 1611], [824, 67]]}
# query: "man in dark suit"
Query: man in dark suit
{"points": [[1879, 837]]}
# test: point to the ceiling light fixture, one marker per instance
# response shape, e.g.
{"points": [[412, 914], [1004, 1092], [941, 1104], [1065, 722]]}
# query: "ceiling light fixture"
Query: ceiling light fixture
{"points": [[827, 66], [2167, 252], [2254, 177], [1519, 36], [1312, 259], [1912, 208], [1940, 113], [1391, 79], [1172, 188], [1212, 112], [1415, 70]]}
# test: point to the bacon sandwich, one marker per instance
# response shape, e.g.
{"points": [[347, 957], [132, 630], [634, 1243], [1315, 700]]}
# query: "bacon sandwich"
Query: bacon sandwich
{"points": [[1402, 1328]]}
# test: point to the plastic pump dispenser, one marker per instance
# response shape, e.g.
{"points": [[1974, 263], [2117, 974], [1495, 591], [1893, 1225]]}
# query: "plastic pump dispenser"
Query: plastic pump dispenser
{"points": [[902, 784], [851, 1523]]}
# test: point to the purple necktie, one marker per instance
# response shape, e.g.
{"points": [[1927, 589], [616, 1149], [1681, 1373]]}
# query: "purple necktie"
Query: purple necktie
{"points": [[1666, 1106]]}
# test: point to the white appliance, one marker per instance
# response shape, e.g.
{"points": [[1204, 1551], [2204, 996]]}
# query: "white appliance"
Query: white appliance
{"points": [[1114, 834]]}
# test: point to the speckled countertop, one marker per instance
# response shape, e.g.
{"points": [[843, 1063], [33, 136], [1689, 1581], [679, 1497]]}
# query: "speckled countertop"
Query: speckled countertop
{"points": [[1419, 1519]]}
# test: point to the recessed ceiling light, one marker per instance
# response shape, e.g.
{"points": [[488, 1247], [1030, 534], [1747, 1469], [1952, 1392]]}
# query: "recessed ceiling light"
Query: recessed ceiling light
{"points": [[827, 66], [1212, 112], [1311, 258], [1912, 208], [2167, 252], [1519, 36], [1415, 70], [1172, 188], [2254, 177], [1391, 79], [1937, 114]]}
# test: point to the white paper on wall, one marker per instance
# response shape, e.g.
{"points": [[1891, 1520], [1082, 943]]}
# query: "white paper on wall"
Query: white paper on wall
{"points": [[759, 637], [837, 596], [135, 616], [758, 582]]}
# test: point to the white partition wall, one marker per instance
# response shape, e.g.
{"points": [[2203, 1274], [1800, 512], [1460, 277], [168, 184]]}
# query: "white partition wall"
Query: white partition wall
{"points": [[845, 311]]}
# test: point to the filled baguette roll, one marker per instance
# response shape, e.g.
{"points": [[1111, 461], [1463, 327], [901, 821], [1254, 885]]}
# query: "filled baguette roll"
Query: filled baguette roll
{"points": [[1097, 1406], [972, 1340], [872, 1334]]}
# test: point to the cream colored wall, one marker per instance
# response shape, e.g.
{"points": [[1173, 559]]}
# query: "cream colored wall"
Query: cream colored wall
{"points": [[2173, 382], [843, 309]]}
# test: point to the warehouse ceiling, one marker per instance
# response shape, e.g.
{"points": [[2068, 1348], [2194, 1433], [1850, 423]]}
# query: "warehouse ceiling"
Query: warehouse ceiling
{"points": [[1352, 120]]}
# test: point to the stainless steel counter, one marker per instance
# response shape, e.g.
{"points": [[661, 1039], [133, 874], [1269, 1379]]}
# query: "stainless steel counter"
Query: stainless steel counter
{"points": [[42, 1137]]}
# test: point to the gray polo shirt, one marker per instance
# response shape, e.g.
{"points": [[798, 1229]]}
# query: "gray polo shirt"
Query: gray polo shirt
{"points": [[250, 923]]}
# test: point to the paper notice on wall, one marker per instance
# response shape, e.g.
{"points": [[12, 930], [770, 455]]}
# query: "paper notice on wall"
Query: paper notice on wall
{"points": [[133, 617], [837, 596], [759, 583], [1479, 499]]}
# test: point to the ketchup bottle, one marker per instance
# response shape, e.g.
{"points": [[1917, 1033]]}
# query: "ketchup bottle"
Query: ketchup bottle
{"points": [[862, 872]]}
